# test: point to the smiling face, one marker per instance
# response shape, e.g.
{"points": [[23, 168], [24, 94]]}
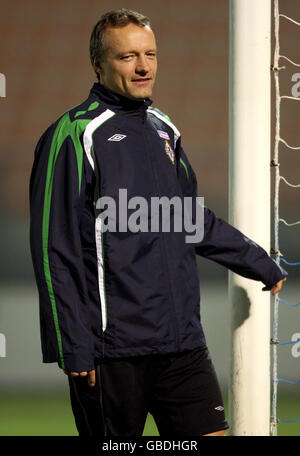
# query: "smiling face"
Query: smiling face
{"points": [[130, 62]]}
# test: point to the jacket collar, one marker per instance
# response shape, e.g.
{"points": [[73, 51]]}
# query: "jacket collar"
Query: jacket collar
{"points": [[118, 101]]}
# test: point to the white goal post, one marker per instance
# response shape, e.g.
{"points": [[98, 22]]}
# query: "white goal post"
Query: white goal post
{"points": [[249, 210]]}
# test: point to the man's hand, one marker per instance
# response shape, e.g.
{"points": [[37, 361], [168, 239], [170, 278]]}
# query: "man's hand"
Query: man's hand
{"points": [[276, 288], [91, 376]]}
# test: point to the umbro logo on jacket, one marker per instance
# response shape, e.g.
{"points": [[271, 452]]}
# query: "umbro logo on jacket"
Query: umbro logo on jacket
{"points": [[116, 137]]}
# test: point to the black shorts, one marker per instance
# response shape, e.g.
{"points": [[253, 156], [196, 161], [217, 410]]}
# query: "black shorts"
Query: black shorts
{"points": [[180, 390]]}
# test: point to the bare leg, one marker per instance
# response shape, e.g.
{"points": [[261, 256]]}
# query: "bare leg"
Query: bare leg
{"points": [[218, 433]]}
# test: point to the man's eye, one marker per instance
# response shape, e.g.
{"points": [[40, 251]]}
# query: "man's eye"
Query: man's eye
{"points": [[126, 57]]}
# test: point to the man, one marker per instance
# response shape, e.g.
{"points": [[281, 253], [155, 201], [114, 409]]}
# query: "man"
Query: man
{"points": [[119, 309]]}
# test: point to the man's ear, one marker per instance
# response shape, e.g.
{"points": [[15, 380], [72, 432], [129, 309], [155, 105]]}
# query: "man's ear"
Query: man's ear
{"points": [[97, 66]]}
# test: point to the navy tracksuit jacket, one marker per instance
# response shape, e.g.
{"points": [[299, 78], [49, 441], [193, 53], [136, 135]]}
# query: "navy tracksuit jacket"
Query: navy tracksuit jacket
{"points": [[114, 294]]}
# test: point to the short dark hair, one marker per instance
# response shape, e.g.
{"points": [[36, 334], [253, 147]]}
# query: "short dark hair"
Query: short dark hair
{"points": [[115, 18]]}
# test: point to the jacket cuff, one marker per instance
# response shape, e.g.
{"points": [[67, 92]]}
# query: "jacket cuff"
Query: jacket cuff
{"points": [[77, 362], [277, 274]]}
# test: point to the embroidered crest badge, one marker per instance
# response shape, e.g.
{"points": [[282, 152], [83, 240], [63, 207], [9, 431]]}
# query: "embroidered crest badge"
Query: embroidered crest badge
{"points": [[169, 152]]}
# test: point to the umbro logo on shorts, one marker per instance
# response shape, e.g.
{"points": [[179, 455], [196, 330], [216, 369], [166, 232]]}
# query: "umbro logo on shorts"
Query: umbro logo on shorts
{"points": [[220, 408], [116, 137]]}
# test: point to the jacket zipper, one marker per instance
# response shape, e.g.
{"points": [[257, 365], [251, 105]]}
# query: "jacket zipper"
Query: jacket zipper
{"points": [[162, 243]]}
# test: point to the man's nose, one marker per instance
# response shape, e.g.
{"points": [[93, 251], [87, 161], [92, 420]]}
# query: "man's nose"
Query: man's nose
{"points": [[142, 66]]}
